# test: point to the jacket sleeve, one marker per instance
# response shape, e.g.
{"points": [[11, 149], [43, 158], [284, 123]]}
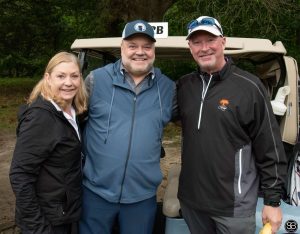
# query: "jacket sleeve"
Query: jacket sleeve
{"points": [[89, 83], [267, 147], [32, 149]]}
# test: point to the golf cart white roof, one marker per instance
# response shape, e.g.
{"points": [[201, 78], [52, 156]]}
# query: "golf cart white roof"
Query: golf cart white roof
{"points": [[177, 47]]}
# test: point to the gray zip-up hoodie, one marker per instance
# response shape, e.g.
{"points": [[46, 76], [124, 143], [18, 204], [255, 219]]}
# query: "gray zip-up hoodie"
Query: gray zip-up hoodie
{"points": [[122, 137]]}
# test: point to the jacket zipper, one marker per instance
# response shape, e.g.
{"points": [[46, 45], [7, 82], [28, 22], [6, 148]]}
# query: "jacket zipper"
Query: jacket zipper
{"points": [[129, 146], [203, 94], [240, 171]]}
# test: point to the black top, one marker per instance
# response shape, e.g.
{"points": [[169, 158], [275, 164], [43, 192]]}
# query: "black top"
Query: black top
{"points": [[231, 143], [45, 172]]}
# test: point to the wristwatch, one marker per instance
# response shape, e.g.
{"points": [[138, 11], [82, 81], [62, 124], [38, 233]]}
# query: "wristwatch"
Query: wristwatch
{"points": [[272, 203]]}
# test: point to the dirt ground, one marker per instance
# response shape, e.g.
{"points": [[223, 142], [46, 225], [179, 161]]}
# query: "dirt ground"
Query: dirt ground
{"points": [[7, 143]]}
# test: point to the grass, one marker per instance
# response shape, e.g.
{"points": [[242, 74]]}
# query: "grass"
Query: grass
{"points": [[14, 92]]}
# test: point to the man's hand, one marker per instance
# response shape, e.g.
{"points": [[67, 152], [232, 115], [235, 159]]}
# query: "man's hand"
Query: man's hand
{"points": [[273, 215]]}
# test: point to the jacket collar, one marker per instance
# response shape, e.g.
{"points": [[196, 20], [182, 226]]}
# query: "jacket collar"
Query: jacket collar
{"points": [[220, 75], [45, 104], [119, 76]]}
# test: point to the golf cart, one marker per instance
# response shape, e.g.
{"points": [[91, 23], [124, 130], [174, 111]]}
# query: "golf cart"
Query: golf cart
{"points": [[277, 71]]}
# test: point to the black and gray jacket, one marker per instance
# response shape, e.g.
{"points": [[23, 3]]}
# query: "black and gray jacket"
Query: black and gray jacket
{"points": [[231, 143], [45, 173]]}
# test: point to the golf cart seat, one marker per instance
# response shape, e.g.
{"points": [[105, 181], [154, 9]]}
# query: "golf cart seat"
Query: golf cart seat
{"points": [[171, 206]]}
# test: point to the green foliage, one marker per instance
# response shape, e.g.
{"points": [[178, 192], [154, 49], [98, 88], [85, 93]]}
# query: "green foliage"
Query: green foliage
{"points": [[174, 69], [27, 37], [179, 15], [32, 31]]}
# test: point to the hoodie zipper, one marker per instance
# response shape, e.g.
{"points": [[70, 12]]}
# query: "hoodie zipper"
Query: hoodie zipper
{"points": [[129, 146], [203, 94]]}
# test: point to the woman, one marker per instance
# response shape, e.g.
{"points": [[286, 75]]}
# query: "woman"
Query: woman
{"points": [[45, 172]]}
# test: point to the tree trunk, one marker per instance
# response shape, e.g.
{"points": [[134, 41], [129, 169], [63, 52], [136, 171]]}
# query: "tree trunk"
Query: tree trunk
{"points": [[123, 11]]}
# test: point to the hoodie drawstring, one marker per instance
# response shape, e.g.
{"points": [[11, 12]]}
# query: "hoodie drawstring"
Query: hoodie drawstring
{"points": [[109, 115]]}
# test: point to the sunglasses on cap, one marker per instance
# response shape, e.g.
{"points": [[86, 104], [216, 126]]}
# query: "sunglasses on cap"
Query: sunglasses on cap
{"points": [[208, 21]]}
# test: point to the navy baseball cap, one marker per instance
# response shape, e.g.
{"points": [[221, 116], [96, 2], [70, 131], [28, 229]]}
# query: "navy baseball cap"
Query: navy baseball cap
{"points": [[138, 27]]}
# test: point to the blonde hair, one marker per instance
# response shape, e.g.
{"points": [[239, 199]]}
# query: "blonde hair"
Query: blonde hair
{"points": [[44, 89]]}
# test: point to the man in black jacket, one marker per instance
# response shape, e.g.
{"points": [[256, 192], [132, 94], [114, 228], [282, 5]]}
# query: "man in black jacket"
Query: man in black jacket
{"points": [[231, 141]]}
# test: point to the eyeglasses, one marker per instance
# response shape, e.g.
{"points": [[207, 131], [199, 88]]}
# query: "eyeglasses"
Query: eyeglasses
{"points": [[204, 21]]}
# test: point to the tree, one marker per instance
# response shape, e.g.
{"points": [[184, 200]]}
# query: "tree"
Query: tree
{"points": [[27, 37], [116, 13]]}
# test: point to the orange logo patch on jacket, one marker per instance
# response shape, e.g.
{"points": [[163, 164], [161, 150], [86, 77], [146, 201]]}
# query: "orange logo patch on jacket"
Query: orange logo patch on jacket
{"points": [[223, 103]]}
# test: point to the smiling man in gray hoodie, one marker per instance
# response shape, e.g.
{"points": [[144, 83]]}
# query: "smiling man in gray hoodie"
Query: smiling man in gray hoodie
{"points": [[130, 103]]}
